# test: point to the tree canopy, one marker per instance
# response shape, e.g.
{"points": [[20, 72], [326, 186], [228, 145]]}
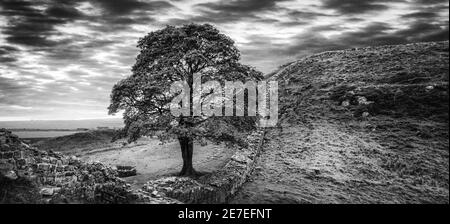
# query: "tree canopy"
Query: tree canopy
{"points": [[177, 54]]}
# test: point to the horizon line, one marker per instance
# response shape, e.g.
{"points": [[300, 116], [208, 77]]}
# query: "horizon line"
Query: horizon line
{"points": [[81, 119]]}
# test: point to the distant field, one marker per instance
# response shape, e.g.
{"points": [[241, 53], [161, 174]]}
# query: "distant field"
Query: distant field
{"points": [[42, 134], [62, 124], [56, 128]]}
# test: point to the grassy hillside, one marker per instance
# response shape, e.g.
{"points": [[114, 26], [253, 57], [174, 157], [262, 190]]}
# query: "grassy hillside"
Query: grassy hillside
{"points": [[397, 81], [80, 141], [363, 125]]}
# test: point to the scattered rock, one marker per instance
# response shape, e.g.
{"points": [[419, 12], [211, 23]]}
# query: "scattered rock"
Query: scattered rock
{"points": [[49, 191], [238, 157], [363, 101], [365, 114], [345, 103], [11, 175]]}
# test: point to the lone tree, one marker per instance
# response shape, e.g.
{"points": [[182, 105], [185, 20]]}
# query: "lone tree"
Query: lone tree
{"points": [[177, 54]]}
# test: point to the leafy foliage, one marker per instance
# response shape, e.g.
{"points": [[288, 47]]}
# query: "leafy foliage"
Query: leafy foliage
{"points": [[176, 54]]}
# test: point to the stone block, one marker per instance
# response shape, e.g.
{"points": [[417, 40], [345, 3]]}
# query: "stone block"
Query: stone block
{"points": [[18, 154], [7, 155], [43, 166], [52, 167], [59, 180], [21, 162], [49, 191], [59, 168], [69, 168], [64, 161], [4, 147], [69, 173], [126, 171], [53, 160]]}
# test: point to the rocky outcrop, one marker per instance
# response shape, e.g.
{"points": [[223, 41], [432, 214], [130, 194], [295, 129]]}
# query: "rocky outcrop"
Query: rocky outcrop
{"points": [[29, 175]]}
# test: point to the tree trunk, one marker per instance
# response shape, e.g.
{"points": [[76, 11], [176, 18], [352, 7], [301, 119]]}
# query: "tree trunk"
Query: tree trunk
{"points": [[187, 149]]}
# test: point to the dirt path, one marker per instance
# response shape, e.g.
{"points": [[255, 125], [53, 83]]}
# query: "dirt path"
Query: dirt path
{"points": [[327, 163], [153, 160]]}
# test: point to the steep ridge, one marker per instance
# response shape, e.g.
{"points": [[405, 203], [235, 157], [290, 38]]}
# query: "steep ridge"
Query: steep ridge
{"points": [[365, 125]]}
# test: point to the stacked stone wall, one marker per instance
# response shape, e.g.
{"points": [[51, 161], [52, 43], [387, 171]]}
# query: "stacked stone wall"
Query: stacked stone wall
{"points": [[61, 179], [217, 187]]}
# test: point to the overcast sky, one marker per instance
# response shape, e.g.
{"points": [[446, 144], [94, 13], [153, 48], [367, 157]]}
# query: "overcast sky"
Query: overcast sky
{"points": [[60, 59]]}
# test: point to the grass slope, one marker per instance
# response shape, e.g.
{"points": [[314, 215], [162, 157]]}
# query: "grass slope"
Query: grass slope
{"points": [[363, 125], [80, 141]]}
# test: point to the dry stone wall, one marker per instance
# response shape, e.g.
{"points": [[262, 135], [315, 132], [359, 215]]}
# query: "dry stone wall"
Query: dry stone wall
{"points": [[61, 179], [217, 187]]}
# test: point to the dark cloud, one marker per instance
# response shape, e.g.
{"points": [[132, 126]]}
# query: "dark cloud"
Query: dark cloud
{"points": [[354, 6], [126, 7], [430, 2], [27, 25], [241, 6], [421, 15], [300, 17], [7, 50], [6, 59], [17, 7], [430, 12], [120, 7], [424, 32], [228, 11], [364, 6], [374, 34], [7, 54], [30, 25], [305, 15], [209, 17], [63, 11]]}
